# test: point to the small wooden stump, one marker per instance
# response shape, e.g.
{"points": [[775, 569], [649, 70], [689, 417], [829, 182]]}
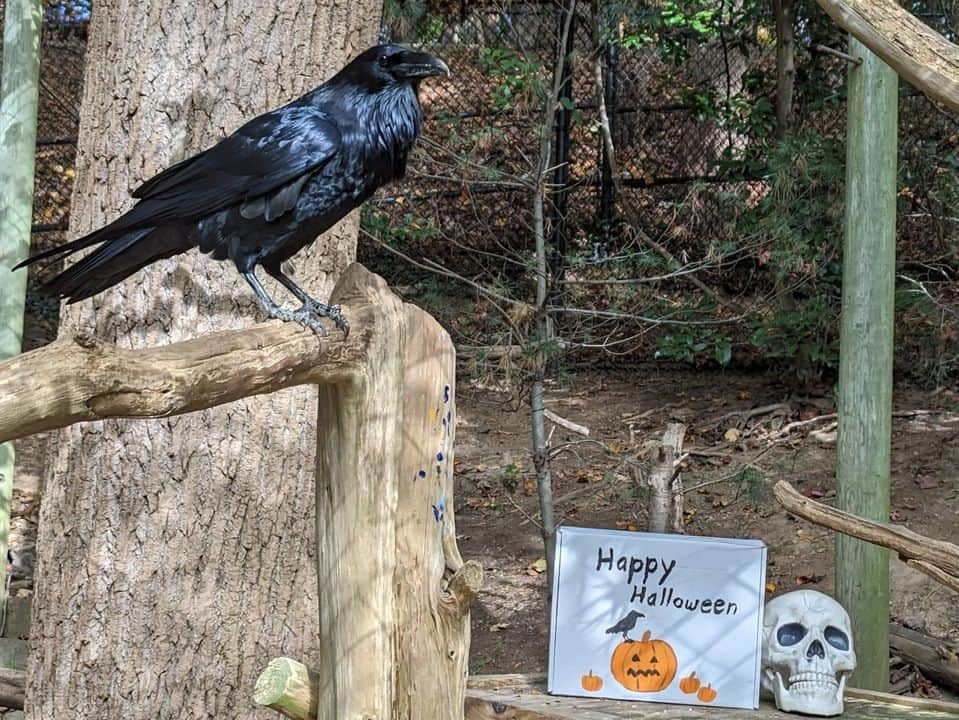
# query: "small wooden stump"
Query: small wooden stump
{"points": [[289, 687], [665, 483]]}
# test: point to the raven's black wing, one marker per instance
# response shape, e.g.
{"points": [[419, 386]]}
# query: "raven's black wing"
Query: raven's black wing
{"points": [[262, 167], [261, 160]]}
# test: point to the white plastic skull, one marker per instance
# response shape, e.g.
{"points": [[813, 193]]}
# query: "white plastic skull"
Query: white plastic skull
{"points": [[807, 652]]}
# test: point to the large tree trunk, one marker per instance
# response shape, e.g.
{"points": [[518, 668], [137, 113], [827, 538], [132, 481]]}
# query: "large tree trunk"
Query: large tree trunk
{"points": [[163, 586]]}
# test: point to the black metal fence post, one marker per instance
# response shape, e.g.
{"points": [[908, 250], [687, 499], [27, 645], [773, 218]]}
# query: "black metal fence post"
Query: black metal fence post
{"points": [[561, 148]]}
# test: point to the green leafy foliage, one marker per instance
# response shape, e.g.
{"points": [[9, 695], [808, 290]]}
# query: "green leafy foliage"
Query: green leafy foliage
{"points": [[519, 77]]}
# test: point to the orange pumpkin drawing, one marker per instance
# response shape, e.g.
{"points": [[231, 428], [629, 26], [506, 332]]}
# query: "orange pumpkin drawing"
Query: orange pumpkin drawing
{"points": [[647, 665], [592, 683], [690, 683], [706, 694]]}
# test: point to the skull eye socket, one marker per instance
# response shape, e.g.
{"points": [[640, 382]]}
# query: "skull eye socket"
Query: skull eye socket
{"points": [[790, 634], [837, 638]]}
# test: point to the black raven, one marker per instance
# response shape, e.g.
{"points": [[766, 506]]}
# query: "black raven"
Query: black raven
{"points": [[260, 195], [625, 625]]}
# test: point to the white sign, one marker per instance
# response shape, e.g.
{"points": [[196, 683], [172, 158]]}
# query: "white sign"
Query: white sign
{"points": [[662, 618]]}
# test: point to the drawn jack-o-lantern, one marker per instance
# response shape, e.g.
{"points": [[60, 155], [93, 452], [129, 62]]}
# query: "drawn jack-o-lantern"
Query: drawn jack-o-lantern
{"points": [[592, 683], [644, 665]]}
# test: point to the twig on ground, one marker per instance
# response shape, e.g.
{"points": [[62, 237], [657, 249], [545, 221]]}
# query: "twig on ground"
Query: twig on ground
{"points": [[568, 424]]}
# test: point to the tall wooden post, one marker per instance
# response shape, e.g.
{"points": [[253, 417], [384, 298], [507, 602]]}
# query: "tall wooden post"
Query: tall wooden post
{"points": [[18, 140], [394, 593], [865, 364]]}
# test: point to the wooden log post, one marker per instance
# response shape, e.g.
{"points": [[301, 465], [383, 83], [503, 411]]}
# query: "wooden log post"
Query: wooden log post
{"points": [[865, 355], [394, 593]]}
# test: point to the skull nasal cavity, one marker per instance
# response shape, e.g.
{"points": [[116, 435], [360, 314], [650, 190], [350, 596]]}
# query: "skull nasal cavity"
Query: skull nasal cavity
{"points": [[815, 650]]}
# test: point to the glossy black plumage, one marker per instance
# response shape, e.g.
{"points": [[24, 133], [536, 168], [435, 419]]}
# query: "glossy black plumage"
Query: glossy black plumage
{"points": [[269, 189]]}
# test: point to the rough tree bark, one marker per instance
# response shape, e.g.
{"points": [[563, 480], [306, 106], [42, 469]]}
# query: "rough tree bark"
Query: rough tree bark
{"points": [[162, 586]]}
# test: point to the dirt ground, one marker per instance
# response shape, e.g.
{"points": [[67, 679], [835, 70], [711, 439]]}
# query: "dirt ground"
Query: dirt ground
{"points": [[737, 450], [596, 485]]}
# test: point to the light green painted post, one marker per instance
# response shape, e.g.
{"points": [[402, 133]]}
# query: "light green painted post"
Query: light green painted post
{"points": [[18, 140], [865, 358]]}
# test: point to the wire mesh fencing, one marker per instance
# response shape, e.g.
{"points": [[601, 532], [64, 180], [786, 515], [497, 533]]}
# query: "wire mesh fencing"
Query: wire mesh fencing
{"points": [[689, 89]]}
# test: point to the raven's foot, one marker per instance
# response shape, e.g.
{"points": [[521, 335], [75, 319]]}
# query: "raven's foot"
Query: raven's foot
{"points": [[302, 316], [332, 312]]}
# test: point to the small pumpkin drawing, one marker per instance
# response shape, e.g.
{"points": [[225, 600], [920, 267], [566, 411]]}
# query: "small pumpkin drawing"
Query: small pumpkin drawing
{"points": [[690, 683], [706, 693], [647, 665], [592, 683]]}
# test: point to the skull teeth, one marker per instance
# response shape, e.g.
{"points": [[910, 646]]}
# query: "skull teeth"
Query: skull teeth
{"points": [[809, 681]]}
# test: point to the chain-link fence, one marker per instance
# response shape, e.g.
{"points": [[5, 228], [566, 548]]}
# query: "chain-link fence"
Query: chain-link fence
{"points": [[58, 116], [689, 89]]}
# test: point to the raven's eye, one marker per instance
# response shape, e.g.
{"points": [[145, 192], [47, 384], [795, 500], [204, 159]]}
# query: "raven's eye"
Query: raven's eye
{"points": [[383, 60]]}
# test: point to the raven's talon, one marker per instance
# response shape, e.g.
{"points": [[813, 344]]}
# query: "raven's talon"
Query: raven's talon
{"points": [[333, 312], [301, 316], [341, 322]]}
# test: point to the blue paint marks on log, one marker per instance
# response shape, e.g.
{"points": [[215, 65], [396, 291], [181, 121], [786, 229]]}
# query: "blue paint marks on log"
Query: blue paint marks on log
{"points": [[439, 457], [439, 511], [422, 473], [446, 394]]}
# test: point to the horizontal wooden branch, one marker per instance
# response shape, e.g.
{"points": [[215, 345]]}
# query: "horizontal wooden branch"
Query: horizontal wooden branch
{"points": [[918, 53], [910, 546], [12, 684], [937, 658], [80, 378]]}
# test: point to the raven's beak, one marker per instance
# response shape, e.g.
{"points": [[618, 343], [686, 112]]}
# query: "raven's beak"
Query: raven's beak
{"points": [[416, 66]]}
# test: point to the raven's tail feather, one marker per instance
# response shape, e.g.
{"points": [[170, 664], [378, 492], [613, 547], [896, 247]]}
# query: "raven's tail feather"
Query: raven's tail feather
{"points": [[61, 251], [114, 261]]}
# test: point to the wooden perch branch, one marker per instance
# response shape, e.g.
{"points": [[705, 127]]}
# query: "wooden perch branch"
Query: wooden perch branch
{"points": [[80, 378], [918, 53], [936, 558]]}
